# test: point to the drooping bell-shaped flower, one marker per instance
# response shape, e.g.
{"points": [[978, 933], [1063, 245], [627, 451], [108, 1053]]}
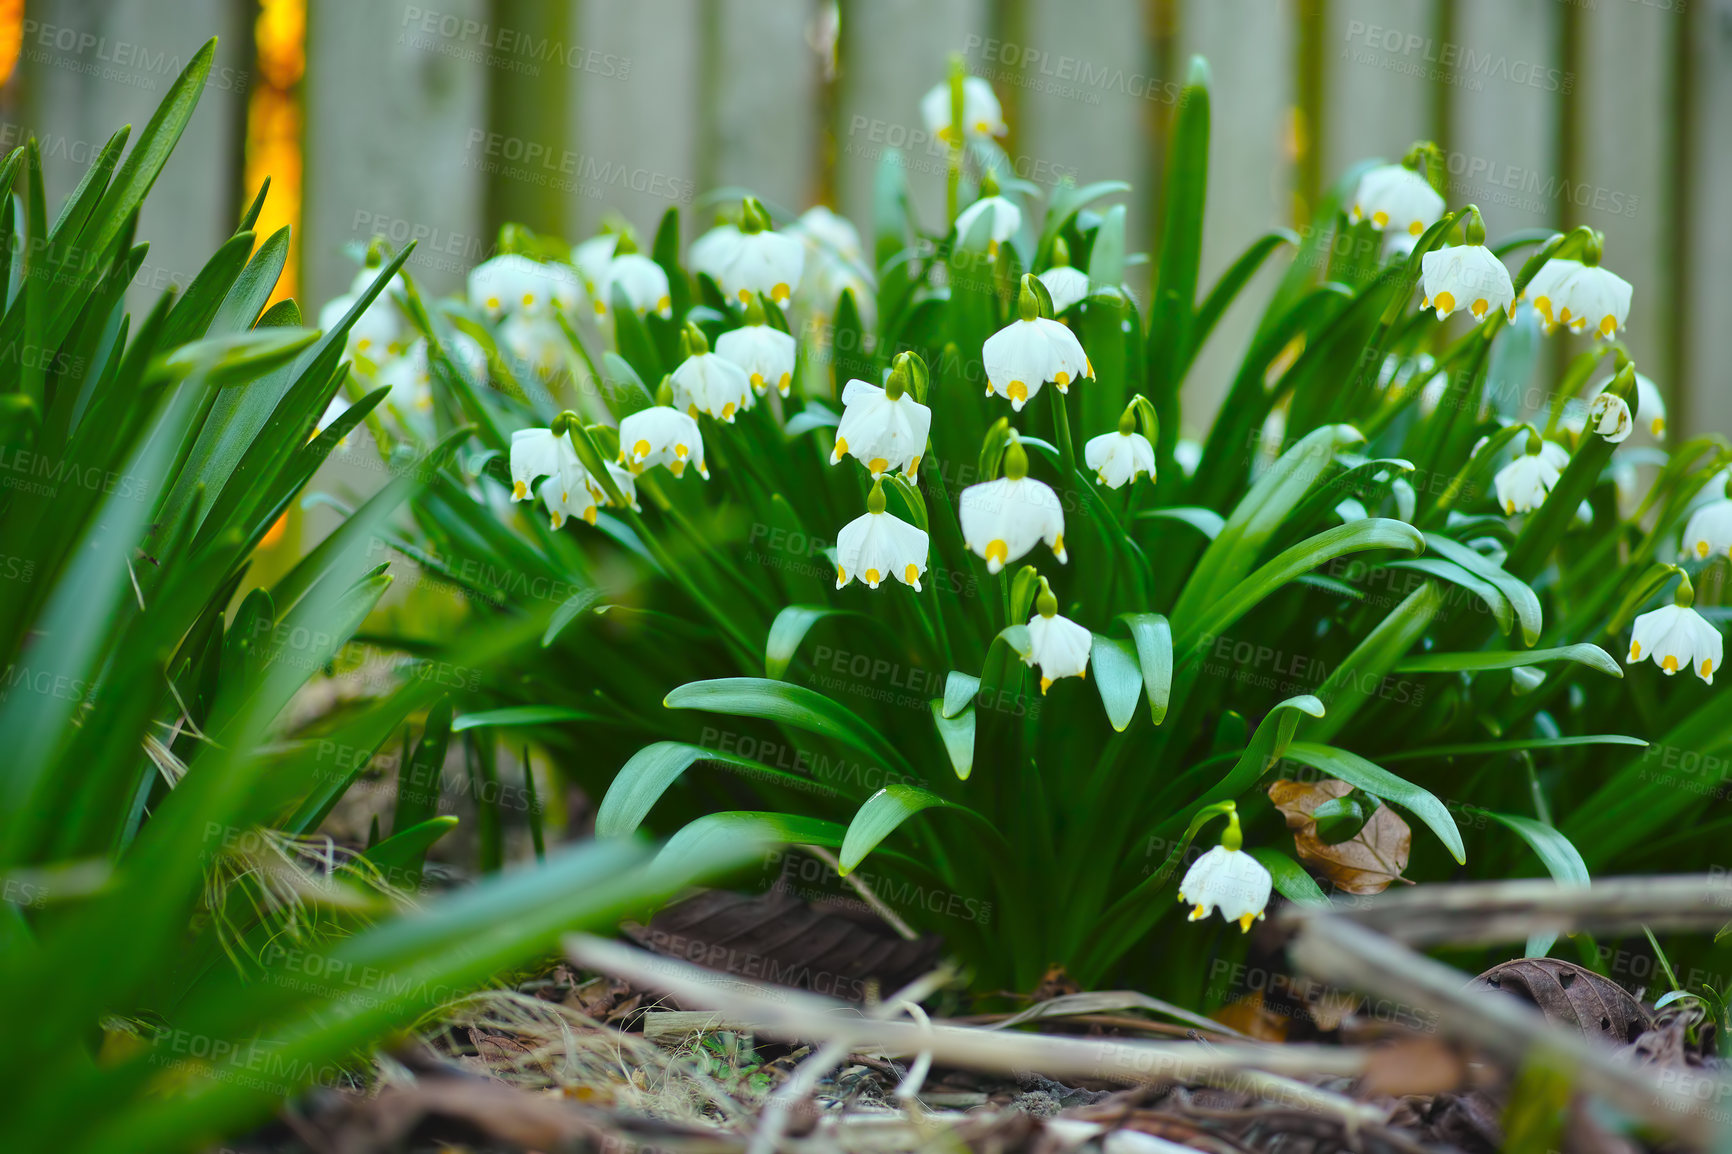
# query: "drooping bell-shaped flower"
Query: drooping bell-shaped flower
{"points": [[544, 453], [884, 428], [760, 260], [1580, 295], [707, 382], [1677, 637], [1229, 879], [1709, 533], [1003, 519], [1522, 484], [377, 334], [1057, 645], [1466, 276], [1118, 457], [1003, 217], [661, 435], [1028, 353], [1064, 284], [1394, 196], [764, 351], [982, 115], [638, 278], [710, 253], [877, 546]]}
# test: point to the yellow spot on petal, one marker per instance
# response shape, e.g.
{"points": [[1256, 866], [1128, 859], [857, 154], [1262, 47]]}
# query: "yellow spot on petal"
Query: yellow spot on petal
{"points": [[997, 551], [1045, 684], [641, 448], [983, 128], [758, 381], [841, 576], [589, 514], [1016, 391], [664, 305], [600, 308], [1479, 308], [1416, 228], [558, 519], [1564, 317], [519, 491], [872, 578], [1702, 547], [1199, 913], [1380, 218], [745, 296], [913, 467], [681, 451], [363, 344], [1608, 325], [728, 411], [1445, 303], [877, 465], [1659, 425], [677, 468], [1707, 667], [1058, 546], [1245, 922], [492, 303], [1635, 653], [528, 300], [911, 575], [841, 447], [781, 293], [1669, 663], [1061, 380], [1543, 306], [783, 384]]}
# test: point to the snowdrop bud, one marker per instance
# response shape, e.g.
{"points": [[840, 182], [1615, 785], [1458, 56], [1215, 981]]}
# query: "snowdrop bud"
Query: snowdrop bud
{"points": [[1027, 300]]}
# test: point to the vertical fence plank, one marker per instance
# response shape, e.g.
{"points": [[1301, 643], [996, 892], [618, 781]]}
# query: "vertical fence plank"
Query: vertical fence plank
{"points": [[1506, 81], [1250, 172], [88, 69], [890, 53], [1625, 163], [396, 139], [637, 111], [1706, 248], [761, 122], [1085, 85], [1377, 102]]}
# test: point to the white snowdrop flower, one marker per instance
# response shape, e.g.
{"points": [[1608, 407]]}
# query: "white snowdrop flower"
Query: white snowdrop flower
{"points": [[884, 428], [1709, 532], [508, 284], [661, 435], [982, 115], [1004, 218], [1677, 637], [1610, 417], [877, 546], [1522, 484], [764, 351], [1065, 285], [835, 261], [711, 252], [1003, 519], [1579, 296], [591, 258], [1058, 645], [759, 260], [1466, 276], [641, 280], [1119, 456], [1228, 879], [624, 479], [829, 234], [1650, 403], [708, 382], [565, 501], [542, 453], [378, 333], [1027, 353], [1393, 196], [534, 343]]}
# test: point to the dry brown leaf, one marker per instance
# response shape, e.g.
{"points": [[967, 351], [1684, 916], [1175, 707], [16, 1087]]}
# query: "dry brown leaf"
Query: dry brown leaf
{"points": [[1366, 864], [1571, 996], [1252, 1017], [1413, 1066]]}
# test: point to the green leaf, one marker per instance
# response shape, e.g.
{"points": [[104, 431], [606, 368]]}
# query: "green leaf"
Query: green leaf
{"points": [[1492, 597], [784, 704], [568, 612], [879, 817], [1517, 745], [1521, 598], [1205, 521], [1291, 880], [1107, 256], [640, 782], [1154, 639], [716, 833], [1118, 677], [1555, 852], [1385, 786], [960, 690], [787, 631], [400, 855], [1268, 745], [418, 782], [1583, 654], [527, 715], [957, 734], [1067, 202]]}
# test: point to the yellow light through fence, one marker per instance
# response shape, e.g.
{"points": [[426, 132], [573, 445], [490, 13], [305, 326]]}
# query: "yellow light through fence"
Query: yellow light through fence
{"points": [[274, 126]]}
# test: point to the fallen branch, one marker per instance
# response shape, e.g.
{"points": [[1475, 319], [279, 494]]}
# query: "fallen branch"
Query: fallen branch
{"points": [[1269, 1072], [1489, 913], [1345, 953]]}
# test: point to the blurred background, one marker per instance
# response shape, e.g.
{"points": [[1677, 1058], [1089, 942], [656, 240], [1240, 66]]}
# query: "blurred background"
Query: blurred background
{"points": [[439, 120]]}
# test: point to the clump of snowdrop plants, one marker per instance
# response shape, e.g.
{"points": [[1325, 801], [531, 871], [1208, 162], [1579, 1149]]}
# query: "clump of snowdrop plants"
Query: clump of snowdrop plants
{"points": [[907, 545]]}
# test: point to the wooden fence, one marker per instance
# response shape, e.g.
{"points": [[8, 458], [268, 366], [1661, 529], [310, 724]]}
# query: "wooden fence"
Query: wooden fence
{"points": [[439, 118]]}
